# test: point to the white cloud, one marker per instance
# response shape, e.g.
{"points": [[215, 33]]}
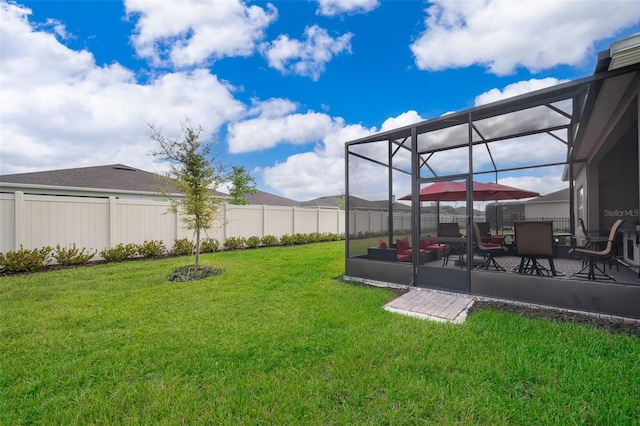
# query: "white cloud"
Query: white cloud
{"points": [[318, 173], [309, 56], [321, 172], [504, 35], [337, 7], [193, 32], [59, 109], [266, 132], [404, 119], [516, 89], [271, 108]]}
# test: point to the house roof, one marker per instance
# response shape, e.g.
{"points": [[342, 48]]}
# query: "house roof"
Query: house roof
{"points": [[268, 199], [112, 177], [354, 202], [561, 196], [327, 201]]}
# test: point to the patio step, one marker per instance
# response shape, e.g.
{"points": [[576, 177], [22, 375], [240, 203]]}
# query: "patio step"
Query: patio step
{"points": [[432, 305]]}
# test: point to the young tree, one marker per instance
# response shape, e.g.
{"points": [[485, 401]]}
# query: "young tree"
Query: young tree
{"points": [[194, 173], [241, 183]]}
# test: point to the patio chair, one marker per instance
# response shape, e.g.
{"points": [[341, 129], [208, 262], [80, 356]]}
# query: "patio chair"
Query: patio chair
{"points": [[535, 241], [451, 230], [484, 231], [591, 242], [592, 256], [489, 251], [598, 243]]}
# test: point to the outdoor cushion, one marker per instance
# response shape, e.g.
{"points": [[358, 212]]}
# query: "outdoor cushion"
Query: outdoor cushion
{"points": [[382, 245], [428, 244], [403, 246], [404, 257]]}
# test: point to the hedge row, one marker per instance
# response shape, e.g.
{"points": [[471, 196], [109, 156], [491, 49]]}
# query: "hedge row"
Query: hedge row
{"points": [[25, 260]]}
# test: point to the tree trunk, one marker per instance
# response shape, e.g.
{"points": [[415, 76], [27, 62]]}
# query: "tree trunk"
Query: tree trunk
{"points": [[197, 247]]}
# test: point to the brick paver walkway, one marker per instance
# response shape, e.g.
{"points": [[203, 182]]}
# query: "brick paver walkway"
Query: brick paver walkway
{"points": [[432, 305]]}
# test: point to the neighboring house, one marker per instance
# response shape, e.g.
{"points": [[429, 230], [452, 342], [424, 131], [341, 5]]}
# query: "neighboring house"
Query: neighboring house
{"points": [[261, 198], [355, 202], [553, 205], [103, 206], [114, 180]]}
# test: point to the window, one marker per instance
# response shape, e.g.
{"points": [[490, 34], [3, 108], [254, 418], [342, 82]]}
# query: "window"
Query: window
{"points": [[580, 202]]}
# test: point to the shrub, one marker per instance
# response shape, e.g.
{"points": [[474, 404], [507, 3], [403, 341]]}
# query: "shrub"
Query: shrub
{"points": [[72, 255], [299, 238], [119, 253], [287, 240], [151, 248], [269, 240], [253, 242], [233, 243], [183, 246], [314, 237], [330, 236], [24, 260], [209, 245]]}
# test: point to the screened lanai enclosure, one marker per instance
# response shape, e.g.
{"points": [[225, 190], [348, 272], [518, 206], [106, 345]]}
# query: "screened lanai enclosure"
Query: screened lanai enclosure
{"points": [[568, 236]]}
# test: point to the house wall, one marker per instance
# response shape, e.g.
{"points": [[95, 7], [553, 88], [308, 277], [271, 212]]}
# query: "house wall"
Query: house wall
{"points": [[35, 221], [618, 195], [546, 210]]}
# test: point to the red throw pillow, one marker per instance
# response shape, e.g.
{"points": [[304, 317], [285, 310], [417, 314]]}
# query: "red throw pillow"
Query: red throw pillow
{"points": [[403, 245], [382, 245]]}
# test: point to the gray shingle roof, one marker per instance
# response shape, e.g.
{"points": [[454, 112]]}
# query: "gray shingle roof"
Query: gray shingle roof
{"points": [[262, 198], [554, 197], [113, 176]]}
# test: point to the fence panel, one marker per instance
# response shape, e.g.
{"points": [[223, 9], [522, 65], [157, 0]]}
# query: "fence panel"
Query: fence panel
{"points": [[278, 221], [244, 221], [137, 221], [7, 222], [49, 221], [97, 223], [330, 221], [306, 221]]}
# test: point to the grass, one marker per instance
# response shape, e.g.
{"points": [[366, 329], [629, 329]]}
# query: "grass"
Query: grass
{"points": [[277, 340]]}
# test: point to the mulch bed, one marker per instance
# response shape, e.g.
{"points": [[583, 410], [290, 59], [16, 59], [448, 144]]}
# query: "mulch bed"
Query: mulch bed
{"points": [[193, 273]]}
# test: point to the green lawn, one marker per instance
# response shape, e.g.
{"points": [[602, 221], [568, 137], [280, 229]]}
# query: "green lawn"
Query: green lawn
{"points": [[277, 340]]}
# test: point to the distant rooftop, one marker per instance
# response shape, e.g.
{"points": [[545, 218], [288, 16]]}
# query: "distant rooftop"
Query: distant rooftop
{"points": [[262, 198], [117, 177], [554, 197]]}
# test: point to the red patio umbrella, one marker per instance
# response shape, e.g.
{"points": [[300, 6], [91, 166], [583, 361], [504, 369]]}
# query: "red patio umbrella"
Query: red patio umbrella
{"points": [[457, 191]]}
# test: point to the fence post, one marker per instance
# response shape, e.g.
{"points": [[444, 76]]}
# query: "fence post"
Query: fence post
{"points": [[264, 220], [112, 221], [224, 223], [294, 220], [18, 205]]}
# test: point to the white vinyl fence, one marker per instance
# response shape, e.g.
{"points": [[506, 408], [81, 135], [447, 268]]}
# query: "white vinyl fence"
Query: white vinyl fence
{"points": [[35, 221]]}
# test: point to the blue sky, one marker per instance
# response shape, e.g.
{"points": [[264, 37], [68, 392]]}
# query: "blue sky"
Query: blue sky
{"points": [[281, 85]]}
